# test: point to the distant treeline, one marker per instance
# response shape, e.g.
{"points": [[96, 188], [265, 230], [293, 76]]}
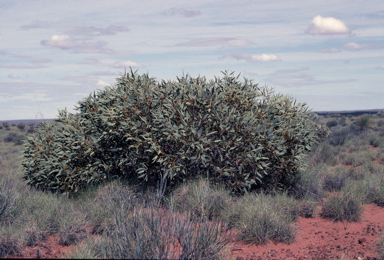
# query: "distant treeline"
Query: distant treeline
{"points": [[321, 113], [354, 114]]}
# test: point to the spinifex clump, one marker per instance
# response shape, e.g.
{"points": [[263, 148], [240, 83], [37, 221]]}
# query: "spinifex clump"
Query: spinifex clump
{"points": [[143, 130]]}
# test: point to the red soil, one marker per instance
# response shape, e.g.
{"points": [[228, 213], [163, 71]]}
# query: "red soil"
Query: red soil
{"points": [[317, 238]]}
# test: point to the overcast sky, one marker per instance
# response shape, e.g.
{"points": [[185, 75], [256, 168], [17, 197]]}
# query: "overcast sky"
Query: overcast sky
{"points": [[329, 54]]}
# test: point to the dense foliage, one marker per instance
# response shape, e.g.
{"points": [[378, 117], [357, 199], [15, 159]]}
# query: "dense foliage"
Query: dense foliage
{"points": [[145, 130]]}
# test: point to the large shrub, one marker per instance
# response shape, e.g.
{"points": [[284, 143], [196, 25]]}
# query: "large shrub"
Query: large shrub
{"points": [[146, 131]]}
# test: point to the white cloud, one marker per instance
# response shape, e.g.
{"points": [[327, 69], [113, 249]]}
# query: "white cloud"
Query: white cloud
{"points": [[64, 42], [13, 76], [327, 26], [90, 30], [331, 50], [352, 46], [254, 58], [265, 57], [101, 83], [60, 41], [380, 67], [118, 63], [113, 63], [232, 42]]}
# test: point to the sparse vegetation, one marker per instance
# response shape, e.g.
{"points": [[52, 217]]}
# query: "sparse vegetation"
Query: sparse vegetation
{"points": [[130, 223]]}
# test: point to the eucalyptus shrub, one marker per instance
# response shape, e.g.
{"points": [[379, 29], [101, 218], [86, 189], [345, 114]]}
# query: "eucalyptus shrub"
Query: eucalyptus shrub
{"points": [[151, 131]]}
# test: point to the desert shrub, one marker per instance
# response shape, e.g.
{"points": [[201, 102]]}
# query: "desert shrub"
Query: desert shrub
{"points": [[363, 120], [150, 234], [201, 198], [335, 115], [11, 137], [19, 140], [380, 123], [342, 121], [309, 185], [338, 136], [374, 140], [355, 129], [31, 130], [332, 123], [21, 126], [334, 181], [15, 138], [6, 125], [343, 206], [380, 113], [175, 131]]}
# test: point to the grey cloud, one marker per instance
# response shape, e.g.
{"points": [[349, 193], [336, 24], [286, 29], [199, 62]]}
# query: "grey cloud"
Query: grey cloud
{"points": [[17, 66], [292, 70], [36, 25], [380, 67], [292, 81], [39, 60], [301, 80], [232, 42], [82, 78], [77, 30], [182, 12], [250, 73], [13, 76], [337, 81], [20, 56], [110, 30], [31, 59]]}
